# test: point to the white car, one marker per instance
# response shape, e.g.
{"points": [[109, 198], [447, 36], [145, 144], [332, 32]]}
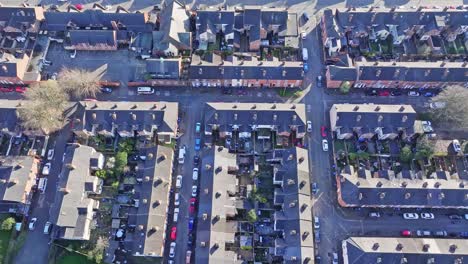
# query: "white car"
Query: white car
{"points": [[456, 145], [46, 169], [47, 228], [316, 222], [176, 199], [195, 174], [335, 258], [427, 126], [410, 216], [172, 250], [50, 154], [73, 55], [303, 34], [309, 126], [437, 105], [32, 223], [325, 145], [178, 183], [194, 191], [413, 93], [427, 215]]}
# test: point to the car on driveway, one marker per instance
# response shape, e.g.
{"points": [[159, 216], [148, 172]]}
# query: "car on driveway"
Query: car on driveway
{"points": [[46, 169], [413, 93], [309, 126], [406, 233], [410, 216], [194, 191], [323, 131], [174, 233], [32, 223], [325, 145], [197, 144], [427, 216]]}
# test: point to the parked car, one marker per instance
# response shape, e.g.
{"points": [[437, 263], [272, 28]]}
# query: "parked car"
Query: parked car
{"points": [[195, 174], [427, 126], [429, 94], [306, 67], [32, 223], [317, 236], [374, 214], [323, 131], [319, 81], [463, 234], [309, 126], [396, 93], [194, 191], [410, 216], [384, 93], [50, 154], [191, 209], [197, 144], [437, 105], [455, 217], [106, 90], [188, 256], [441, 233], [427, 215], [314, 188], [176, 199], [172, 250], [335, 258], [371, 92], [316, 222], [406, 233], [303, 34], [47, 228], [179, 181], [46, 169], [197, 128], [423, 233], [190, 224], [325, 145], [413, 93], [196, 160], [456, 145], [174, 233], [176, 214]]}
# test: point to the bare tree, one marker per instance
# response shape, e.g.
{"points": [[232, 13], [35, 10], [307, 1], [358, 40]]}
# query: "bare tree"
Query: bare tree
{"points": [[455, 110], [79, 83], [44, 107]]}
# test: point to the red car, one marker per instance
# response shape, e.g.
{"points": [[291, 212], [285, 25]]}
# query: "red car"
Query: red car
{"points": [[406, 233], [384, 93], [193, 201], [20, 89], [192, 209], [6, 89], [323, 130], [174, 233]]}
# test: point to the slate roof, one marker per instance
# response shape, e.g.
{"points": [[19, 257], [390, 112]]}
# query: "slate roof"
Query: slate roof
{"points": [[364, 190], [174, 28], [93, 37], [294, 219], [75, 213], [234, 68], [222, 114], [17, 176], [106, 117], [361, 250], [166, 68], [96, 19], [208, 20], [14, 21], [217, 230], [331, 29], [150, 215], [8, 116], [368, 115]]}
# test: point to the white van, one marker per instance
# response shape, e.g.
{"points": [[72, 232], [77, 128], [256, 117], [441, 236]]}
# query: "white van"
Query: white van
{"points": [[181, 155], [176, 214], [305, 54], [145, 90], [42, 185]]}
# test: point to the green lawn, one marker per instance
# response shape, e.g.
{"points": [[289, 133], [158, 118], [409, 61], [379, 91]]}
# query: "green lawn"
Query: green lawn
{"points": [[4, 240], [72, 258]]}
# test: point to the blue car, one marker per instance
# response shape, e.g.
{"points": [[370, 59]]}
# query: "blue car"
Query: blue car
{"points": [[306, 67], [464, 234], [197, 143], [190, 225], [429, 94]]}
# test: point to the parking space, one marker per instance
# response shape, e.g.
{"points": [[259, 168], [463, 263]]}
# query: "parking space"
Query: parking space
{"points": [[107, 64]]}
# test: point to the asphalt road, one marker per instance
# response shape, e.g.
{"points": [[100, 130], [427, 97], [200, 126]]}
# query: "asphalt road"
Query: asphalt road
{"points": [[36, 247]]}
